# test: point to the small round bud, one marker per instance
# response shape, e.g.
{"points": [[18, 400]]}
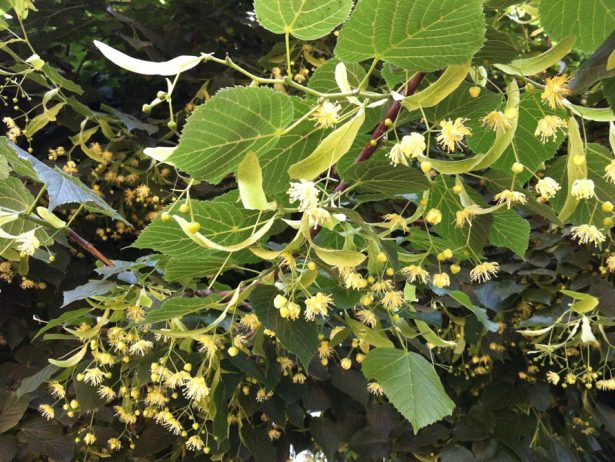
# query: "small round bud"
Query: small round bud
{"points": [[79, 377], [608, 221], [381, 257], [346, 363], [161, 95], [474, 92], [607, 207], [233, 351], [388, 122], [165, 216], [74, 404], [433, 216], [426, 166], [578, 160], [366, 300], [517, 168], [280, 301], [193, 227], [284, 312], [311, 266], [184, 208], [172, 125], [455, 268], [373, 143], [457, 189], [52, 258], [359, 357], [448, 253], [195, 426], [530, 88], [187, 367], [206, 450], [390, 271], [146, 108]]}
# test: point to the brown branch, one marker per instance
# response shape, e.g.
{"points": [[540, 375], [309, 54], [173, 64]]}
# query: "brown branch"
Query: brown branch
{"points": [[89, 247], [382, 128]]}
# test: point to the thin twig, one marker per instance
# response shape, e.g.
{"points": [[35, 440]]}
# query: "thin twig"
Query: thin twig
{"points": [[88, 246]]}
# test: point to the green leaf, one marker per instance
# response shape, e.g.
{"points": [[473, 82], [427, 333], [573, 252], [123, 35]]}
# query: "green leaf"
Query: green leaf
{"points": [[530, 150], [304, 19], [250, 183], [185, 269], [480, 313], [178, 307], [421, 34], [89, 289], [538, 64], [329, 151], [377, 175], [12, 409], [300, 337], [590, 20], [16, 197], [410, 383], [499, 47], [585, 302], [31, 383], [444, 199], [220, 132], [511, 231], [61, 187]]}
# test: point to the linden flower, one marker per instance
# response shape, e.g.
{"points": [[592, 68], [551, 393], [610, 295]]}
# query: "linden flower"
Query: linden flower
{"points": [[609, 172], [114, 444], [106, 393], [46, 411], [588, 233], [396, 156], [195, 443], [294, 311], [177, 379], [353, 280], [306, 193], [327, 114], [441, 280], [324, 350], [556, 89], [547, 187], [375, 389], [553, 377], [413, 145], [396, 221], [28, 243], [57, 390], [497, 120], [433, 216], [263, 395], [317, 305], [484, 271], [367, 317], [414, 273], [299, 378], [196, 389], [610, 263], [94, 376], [583, 189], [155, 397], [547, 127], [317, 216], [452, 133], [124, 416], [393, 300], [510, 197], [606, 385], [250, 321], [465, 215], [89, 439], [141, 347], [274, 434], [381, 287]]}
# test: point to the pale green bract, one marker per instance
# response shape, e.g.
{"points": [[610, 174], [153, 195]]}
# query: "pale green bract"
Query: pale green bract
{"points": [[304, 19], [419, 34]]}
